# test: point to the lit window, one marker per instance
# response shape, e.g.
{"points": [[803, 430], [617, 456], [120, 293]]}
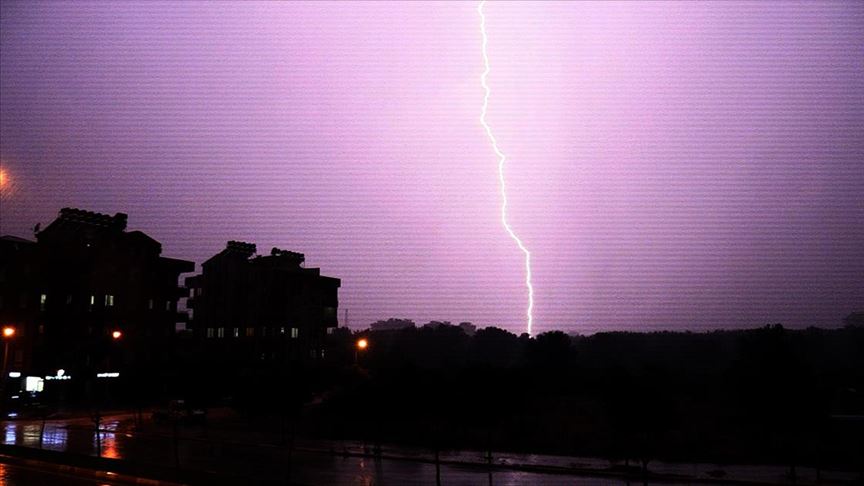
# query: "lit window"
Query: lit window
{"points": [[109, 300], [42, 299], [281, 330], [295, 332], [250, 331], [220, 332], [92, 300], [150, 304], [33, 384], [209, 332], [236, 332]]}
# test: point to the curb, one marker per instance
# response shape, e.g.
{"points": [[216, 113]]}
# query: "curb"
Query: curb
{"points": [[52, 467]]}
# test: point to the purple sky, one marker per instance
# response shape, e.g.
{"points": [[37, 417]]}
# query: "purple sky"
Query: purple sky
{"points": [[671, 165]]}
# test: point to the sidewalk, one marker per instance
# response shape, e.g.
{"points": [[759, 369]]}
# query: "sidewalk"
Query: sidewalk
{"points": [[114, 471]]}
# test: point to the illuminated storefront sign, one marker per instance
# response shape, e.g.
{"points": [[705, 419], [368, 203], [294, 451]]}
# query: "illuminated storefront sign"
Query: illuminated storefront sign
{"points": [[61, 375]]}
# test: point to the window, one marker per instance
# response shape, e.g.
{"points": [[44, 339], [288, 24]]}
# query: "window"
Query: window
{"points": [[236, 332], [295, 332], [209, 332], [250, 331], [263, 331], [220, 332], [69, 299], [167, 305], [150, 304], [109, 300], [281, 330], [92, 300], [42, 300], [33, 384]]}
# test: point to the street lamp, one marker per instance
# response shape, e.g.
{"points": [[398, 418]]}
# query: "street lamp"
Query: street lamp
{"points": [[116, 335], [362, 344], [8, 333]]}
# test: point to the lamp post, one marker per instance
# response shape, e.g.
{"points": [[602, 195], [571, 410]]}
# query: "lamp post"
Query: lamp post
{"points": [[362, 344], [116, 336], [8, 334]]}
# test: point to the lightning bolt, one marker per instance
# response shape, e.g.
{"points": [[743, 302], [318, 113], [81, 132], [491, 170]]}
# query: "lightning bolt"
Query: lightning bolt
{"points": [[501, 181]]}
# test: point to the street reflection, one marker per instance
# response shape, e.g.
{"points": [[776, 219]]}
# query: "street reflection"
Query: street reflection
{"points": [[109, 446], [55, 438]]}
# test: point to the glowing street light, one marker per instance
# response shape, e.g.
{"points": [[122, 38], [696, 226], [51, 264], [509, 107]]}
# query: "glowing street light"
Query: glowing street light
{"points": [[8, 333], [362, 344], [116, 335]]}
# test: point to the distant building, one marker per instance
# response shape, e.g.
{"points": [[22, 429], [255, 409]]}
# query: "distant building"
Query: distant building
{"points": [[262, 308], [88, 298]]}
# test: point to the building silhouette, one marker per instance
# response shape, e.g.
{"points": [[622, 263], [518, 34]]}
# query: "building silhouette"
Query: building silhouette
{"points": [[87, 298], [253, 308]]}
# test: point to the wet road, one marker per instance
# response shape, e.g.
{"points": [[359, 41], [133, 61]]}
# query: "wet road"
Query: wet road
{"points": [[239, 449], [21, 476], [310, 463]]}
